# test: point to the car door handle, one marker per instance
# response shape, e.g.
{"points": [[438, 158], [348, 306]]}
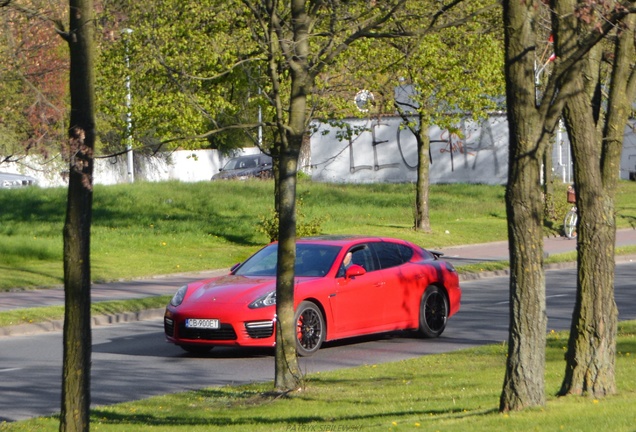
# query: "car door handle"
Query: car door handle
{"points": [[380, 284]]}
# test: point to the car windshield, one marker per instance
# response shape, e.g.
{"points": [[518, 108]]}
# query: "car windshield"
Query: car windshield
{"points": [[241, 163], [311, 260]]}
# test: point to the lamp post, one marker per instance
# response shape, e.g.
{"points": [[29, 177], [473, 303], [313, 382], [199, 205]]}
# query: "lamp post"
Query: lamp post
{"points": [[129, 152]]}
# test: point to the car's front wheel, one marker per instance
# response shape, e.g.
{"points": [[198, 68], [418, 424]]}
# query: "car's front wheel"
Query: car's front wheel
{"points": [[433, 312], [310, 329]]}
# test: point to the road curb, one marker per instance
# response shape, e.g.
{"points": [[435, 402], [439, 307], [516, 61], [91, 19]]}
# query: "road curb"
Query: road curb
{"points": [[96, 321]]}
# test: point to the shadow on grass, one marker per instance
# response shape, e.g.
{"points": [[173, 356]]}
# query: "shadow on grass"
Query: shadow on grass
{"points": [[56, 280], [32, 205], [220, 401]]}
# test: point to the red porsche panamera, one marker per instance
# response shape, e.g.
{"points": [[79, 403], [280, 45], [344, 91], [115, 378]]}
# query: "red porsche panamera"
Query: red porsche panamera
{"points": [[345, 287]]}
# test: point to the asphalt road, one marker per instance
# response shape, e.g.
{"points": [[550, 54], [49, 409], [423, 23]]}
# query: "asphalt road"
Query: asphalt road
{"points": [[132, 361]]}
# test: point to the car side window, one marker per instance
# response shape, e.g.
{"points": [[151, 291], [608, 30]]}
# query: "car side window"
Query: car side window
{"points": [[392, 254], [362, 256]]}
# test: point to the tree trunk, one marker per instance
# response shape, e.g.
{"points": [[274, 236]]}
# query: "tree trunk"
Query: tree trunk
{"points": [[77, 280], [591, 355], [422, 220], [591, 351], [288, 376], [524, 379]]}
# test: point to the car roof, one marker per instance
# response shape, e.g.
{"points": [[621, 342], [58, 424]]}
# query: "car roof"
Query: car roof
{"points": [[252, 156], [342, 240]]}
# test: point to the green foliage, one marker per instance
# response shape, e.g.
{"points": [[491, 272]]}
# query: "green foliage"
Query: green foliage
{"points": [[188, 69], [268, 224]]}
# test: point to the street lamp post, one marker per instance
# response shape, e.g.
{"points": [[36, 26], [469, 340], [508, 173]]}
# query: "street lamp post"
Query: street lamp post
{"points": [[129, 151]]}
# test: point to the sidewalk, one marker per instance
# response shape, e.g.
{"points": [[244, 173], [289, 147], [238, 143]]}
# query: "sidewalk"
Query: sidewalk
{"points": [[167, 285], [498, 251]]}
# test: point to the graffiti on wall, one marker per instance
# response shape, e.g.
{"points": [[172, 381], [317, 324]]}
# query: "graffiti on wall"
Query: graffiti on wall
{"points": [[385, 150]]}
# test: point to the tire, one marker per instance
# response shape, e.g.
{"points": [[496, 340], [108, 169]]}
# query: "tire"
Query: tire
{"points": [[433, 312], [310, 329], [197, 349], [569, 224]]}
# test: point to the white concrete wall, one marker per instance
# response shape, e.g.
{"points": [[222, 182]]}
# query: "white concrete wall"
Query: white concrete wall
{"points": [[381, 152], [384, 152], [183, 165]]}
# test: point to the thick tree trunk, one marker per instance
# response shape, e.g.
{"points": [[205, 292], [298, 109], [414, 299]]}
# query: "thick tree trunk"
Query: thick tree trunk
{"points": [[422, 220], [591, 355], [524, 379], [590, 358], [77, 280]]}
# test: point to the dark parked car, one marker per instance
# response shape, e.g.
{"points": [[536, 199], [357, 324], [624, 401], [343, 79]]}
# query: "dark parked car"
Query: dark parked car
{"points": [[243, 167], [11, 181]]}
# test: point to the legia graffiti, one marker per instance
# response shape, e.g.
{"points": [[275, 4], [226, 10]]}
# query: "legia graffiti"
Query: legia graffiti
{"points": [[383, 150]]}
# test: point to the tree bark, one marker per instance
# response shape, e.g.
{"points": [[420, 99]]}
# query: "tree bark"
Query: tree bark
{"points": [[422, 219], [596, 142], [524, 381], [77, 280], [288, 376], [591, 352]]}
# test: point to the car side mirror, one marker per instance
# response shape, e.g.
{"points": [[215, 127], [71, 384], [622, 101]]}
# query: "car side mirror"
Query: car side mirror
{"points": [[354, 270], [234, 267]]}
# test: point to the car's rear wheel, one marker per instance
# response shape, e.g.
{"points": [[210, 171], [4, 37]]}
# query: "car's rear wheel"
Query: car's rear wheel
{"points": [[310, 329], [433, 312], [197, 349]]}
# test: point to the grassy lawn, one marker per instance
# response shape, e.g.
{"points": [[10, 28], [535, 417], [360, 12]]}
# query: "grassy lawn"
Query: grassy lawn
{"points": [[458, 391], [161, 228], [148, 229]]}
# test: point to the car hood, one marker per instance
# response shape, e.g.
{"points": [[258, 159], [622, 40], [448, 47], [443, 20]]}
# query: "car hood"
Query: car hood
{"points": [[230, 289]]}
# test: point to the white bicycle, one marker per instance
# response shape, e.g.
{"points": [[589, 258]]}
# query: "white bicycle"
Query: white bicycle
{"points": [[569, 223]]}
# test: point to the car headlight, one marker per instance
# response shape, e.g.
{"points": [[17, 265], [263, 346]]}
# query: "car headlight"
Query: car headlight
{"points": [[268, 299], [178, 297]]}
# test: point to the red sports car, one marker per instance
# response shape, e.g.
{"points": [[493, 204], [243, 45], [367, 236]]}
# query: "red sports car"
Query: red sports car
{"points": [[345, 286]]}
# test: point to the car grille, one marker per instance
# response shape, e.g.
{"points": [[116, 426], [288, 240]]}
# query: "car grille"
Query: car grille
{"points": [[226, 332], [259, 329]]}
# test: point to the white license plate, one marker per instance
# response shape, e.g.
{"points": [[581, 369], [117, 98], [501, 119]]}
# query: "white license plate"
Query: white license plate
{"points": [[202, 323]]}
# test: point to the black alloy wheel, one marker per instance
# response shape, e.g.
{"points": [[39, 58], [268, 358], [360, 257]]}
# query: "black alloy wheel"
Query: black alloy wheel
{"points": [[310, 329], [433, 312]]}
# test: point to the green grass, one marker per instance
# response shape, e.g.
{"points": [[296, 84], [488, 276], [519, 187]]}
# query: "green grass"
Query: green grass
{"points": [[160, 228], [457, 391], [147, 229]]}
